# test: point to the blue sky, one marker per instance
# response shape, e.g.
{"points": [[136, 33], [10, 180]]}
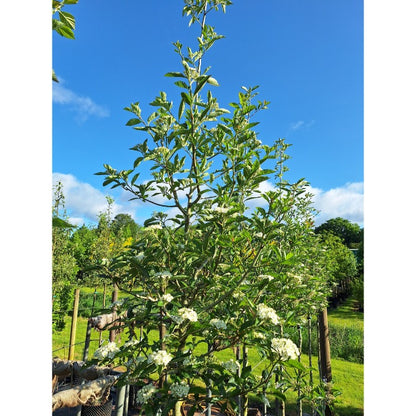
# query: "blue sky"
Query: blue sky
{"points": [[306, 56]]}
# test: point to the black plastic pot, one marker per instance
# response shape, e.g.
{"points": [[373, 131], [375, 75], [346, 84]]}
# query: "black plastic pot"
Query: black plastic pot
{"points": [[100, 410]]}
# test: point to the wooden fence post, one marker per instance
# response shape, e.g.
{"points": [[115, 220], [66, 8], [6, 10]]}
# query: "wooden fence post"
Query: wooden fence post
{"points": [[325, 353], [114, 299], [73, 326], [100, 338], [88, 334]]}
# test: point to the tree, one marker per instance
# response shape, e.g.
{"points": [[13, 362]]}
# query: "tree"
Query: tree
{"points": [[216, 272], [64, 265], [351, 234], [341, 264], [125, 226]]}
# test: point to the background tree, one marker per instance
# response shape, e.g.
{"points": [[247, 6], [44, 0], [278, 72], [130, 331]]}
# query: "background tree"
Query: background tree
{"points": [[64, 265], [341, 266], [351, 234]]}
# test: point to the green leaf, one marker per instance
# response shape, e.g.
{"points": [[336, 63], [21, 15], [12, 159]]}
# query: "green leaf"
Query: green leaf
{"points": [[70, 1], [181, 108], [201, 82], [67, 19], [181, 84], [62, 29], [54, 77], [186, 98], [133, 122], [175, 75]]}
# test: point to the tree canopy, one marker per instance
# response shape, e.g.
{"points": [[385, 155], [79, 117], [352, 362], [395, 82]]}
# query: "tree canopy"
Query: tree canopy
{"points": [[350, 233]]}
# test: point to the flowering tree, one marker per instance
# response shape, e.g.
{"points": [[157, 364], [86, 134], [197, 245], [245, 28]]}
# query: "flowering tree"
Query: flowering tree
{"points": [[225, 263]]}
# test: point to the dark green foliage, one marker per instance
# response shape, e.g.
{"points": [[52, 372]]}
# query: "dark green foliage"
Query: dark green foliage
{"points": [[350, 233]]}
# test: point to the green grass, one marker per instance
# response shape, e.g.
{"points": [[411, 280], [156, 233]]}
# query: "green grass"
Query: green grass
{"points": [[346, 314]]}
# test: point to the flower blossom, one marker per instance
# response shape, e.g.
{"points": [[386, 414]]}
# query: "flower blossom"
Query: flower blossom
{"points": [[164, 275], [167, 298], [266, 313], [221, 210], [131, 343], [179, 390], [266, 276], [218, 323], [145, 393], [160, 357], [285, 348], [154, 227], [161, 150], [187, 313], [231, 365], [140, 256], [106, 351]]}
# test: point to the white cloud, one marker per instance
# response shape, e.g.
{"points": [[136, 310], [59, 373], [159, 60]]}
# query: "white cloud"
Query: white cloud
{"points": [[297, 125], [301, 124], [346, 202], [83, 202], [82, 106]]}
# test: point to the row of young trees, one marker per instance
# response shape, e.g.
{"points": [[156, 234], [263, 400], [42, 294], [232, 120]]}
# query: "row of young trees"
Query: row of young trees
{"points": [[234, 266]]}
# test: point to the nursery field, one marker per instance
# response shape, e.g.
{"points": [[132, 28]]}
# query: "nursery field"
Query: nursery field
{"points": [[348, 376]]}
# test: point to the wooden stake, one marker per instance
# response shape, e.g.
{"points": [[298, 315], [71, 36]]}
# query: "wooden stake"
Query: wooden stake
{"points": [[73, 326], [88, 334], [114, 298], [325, 353]]}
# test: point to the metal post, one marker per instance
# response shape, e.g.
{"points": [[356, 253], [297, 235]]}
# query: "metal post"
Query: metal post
{"points": [[73, 326], [126, 400], [121, 394]]}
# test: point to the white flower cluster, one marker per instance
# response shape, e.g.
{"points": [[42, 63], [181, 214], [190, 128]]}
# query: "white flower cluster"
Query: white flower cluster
{"points": [[231, 365], [266, 313], [218, 323], [154, 227], [187, 313], [160, 357], [140, 256], [164, 275], [106, 351], [297, 279], [161, 150], [131, 343], [167, 298], [179, 390], [266, 276], [285, 348], [221, 210], [145, 393], [258, 335]]}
